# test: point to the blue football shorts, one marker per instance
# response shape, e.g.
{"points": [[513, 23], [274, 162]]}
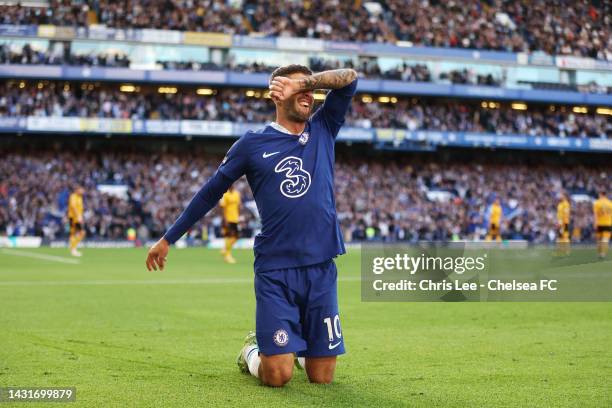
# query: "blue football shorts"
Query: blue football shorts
{"points": [[297, 311]]}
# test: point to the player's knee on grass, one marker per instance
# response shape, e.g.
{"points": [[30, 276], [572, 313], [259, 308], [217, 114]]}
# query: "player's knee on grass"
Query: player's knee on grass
{"points": [[276, 370], [320, 370]]}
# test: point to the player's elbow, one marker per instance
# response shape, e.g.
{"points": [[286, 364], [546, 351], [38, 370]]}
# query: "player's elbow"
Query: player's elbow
{"points": [[353, 75]]}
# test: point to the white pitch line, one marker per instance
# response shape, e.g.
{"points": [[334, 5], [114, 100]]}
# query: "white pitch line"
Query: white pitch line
{"points": [[44, 257], [208, 281]]}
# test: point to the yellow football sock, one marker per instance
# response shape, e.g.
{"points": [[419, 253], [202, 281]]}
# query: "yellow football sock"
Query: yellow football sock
{"points": [[79, 238], [75, 239], [602, 248], [229, 243]]}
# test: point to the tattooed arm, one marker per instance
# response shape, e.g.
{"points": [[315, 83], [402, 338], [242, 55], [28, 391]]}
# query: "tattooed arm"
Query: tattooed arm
{"points": [[333, 79], [282, 88]]}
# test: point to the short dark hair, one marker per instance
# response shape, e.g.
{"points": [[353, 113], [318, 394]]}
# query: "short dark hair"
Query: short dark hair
{"points": [[290, 69]]}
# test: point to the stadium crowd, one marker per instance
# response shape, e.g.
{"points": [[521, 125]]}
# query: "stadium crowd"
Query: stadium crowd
{"points": [[397, 199], [368, 69], [580, 28], [62, 99], [31, 205], [419, 114], [29, 55], [59, 99], [378, 198]]}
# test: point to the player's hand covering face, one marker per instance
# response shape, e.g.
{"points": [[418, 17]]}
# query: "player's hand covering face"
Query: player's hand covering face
{"points": [[289, 96]]}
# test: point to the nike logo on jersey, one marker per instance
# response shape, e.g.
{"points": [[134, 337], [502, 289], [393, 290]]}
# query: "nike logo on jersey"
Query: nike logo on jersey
{"points": [[266, 155], [333, 346]]}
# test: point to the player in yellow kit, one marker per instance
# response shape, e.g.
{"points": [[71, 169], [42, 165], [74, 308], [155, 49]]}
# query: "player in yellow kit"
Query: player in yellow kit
{"points": [[602, 212], [75, 217], [230, 203], [495, 221], [563, 223]]}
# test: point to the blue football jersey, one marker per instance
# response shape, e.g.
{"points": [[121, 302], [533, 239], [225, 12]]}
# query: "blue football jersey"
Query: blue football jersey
{"points": [[292, 179]]}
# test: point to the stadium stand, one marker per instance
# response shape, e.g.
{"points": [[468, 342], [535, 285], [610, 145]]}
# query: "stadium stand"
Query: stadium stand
{"points": [[368, 69], [380, 196], [580, 28], [64, 99], [28, 55]]}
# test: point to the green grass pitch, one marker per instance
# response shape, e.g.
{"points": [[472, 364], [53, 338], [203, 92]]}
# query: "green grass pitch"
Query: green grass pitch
{"points": [[127, 337]]}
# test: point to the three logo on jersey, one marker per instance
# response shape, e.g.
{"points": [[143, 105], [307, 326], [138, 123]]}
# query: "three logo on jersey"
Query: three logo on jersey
{"points": [[297, 179]]}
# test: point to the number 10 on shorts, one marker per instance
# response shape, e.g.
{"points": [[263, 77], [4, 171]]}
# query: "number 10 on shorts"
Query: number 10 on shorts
{"points": [[333, 328]]}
